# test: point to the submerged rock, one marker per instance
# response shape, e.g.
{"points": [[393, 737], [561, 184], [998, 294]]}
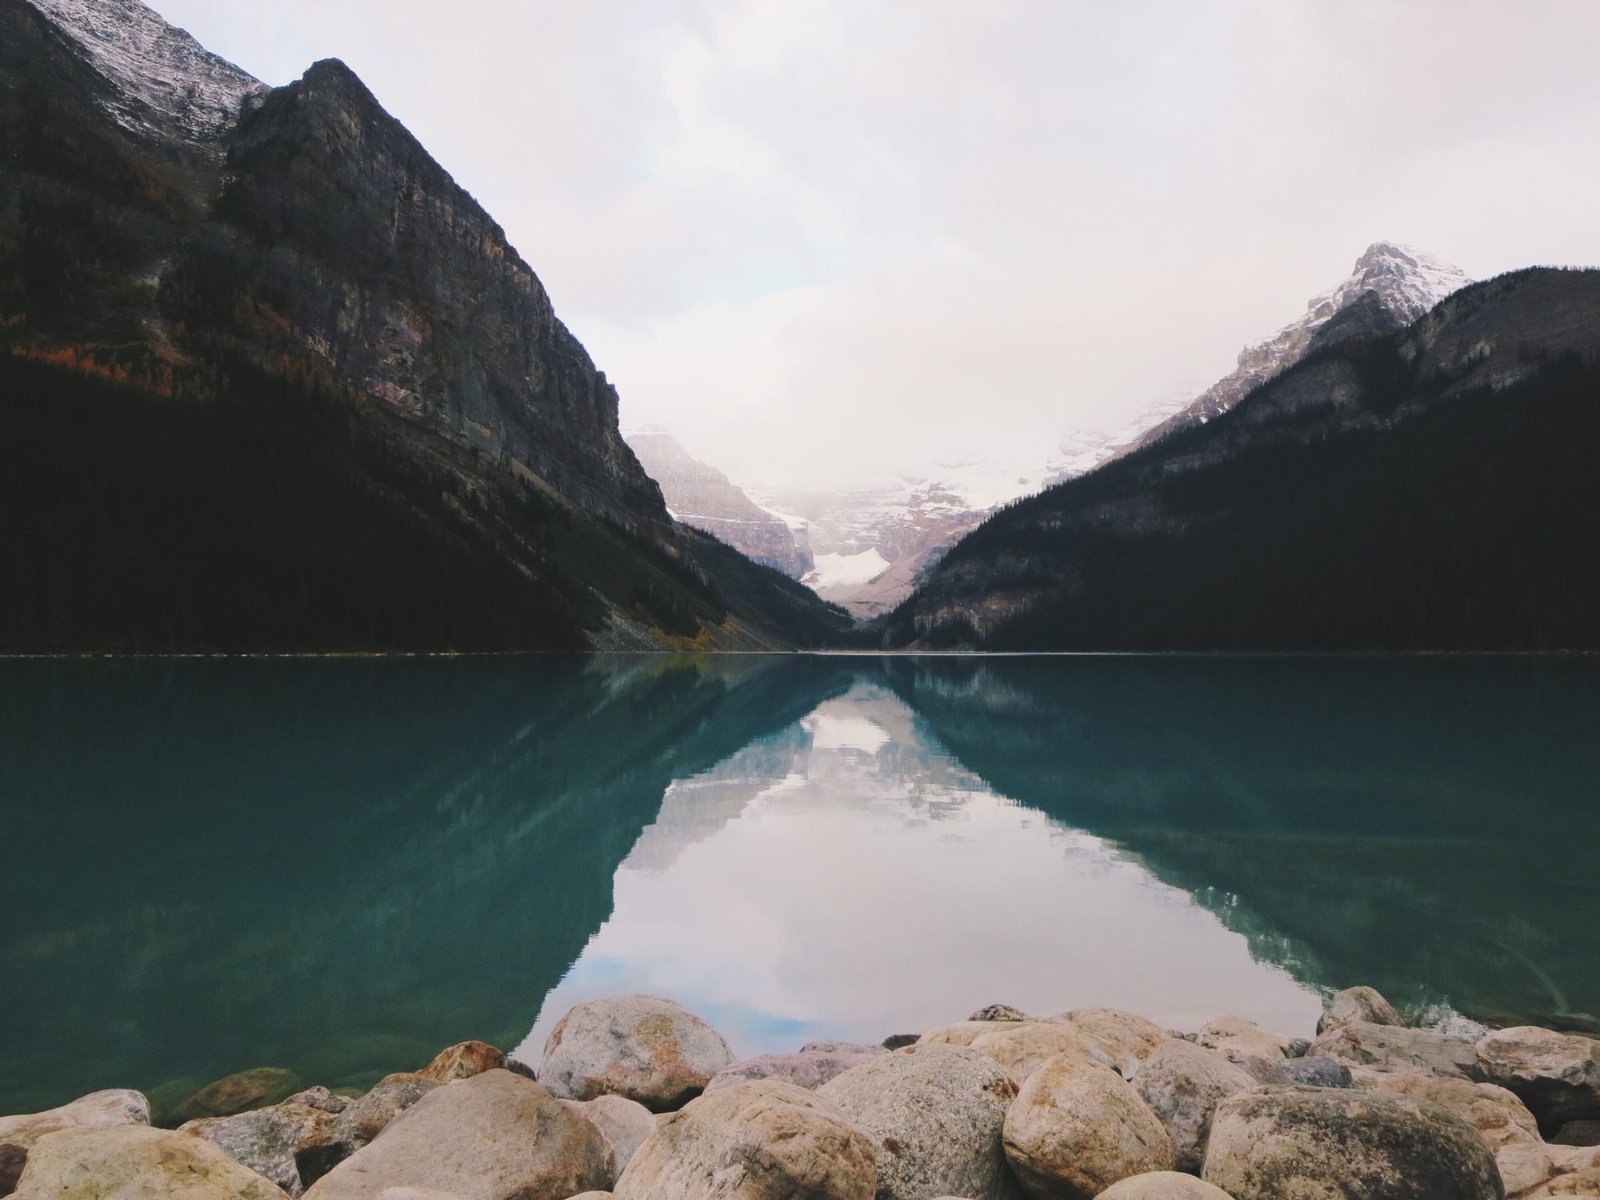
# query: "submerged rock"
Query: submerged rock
{"points": [[1077, 1127], [1183, 1084], [1363, 1004], [935, 1114], [645, 1048], [240, 1092], [496, 1134], [1285, 1142], [1557, 1075], [764, 1139], [132, 1162]]}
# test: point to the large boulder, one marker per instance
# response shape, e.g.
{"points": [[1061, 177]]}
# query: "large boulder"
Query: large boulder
{"points": [[463, 1061], [495, 1136], [1123, 1039], [368, 1116], [267, 1140], [1077, 1127], [760, 1140], [136, 1162], [1329, 1142], [1396, 1048], [1183, 1084], [962, 1033], [1023, 1047], [98, 1110], [1163, 1185], [240, 1092], [1356, 1004], [808, 1069], [645, 1048], [1498, 1116], [935, 1115], [1557, 1075], [623, 1123], [1240, 1037]]}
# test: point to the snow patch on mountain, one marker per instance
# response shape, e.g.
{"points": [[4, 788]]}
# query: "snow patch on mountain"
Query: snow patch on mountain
{"points": [[844, 570], [157, 68]]}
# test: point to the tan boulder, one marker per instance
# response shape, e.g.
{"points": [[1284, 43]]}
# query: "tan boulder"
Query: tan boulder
{"points": [[1240, 1037], [1498, 1116], [98, 1110], [1557, 1075], [1077, 1127], [1396, 1048], [624, 1124], [1355, 1145], [1183, 1084], [1578, 1183], [1124, 1039], [762, 1140], [962, 1033], [463, 1061], [1163, 1185], [1023, 1047], [645, 1048], [494, 1136], [136, 1162], [1356, 1004]]}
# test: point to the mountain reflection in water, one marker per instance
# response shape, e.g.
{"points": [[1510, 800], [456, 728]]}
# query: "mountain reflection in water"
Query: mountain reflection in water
{"points": [[342, 866]]}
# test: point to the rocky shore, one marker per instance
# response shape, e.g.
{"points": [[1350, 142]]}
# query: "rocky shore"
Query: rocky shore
{"points": [[639, 1099]]}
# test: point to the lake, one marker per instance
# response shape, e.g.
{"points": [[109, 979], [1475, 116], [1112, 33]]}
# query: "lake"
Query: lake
{"points": [[341, 866]]}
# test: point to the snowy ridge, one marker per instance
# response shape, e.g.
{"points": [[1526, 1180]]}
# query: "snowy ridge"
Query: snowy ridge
{"points": [[157, 66]]}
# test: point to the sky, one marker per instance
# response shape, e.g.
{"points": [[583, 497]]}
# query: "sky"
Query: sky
{"points": [[820, 240]]}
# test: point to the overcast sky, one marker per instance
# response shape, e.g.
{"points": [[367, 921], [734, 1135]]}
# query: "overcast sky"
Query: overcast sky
{"points": [[818, 238]]}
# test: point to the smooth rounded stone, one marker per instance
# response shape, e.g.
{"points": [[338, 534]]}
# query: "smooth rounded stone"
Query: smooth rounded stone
{"points": [[899, 1041], [1025, 1047], [645, 1048], [935, 1114], [136, 1162], [463, 1061], [962, 1033], [1557, 1075], [1363, 1004], [622, 1122], [765, 1139], [1163, 1185], [1124, 1039], [592, 1196], [1077, 1127], [1355, 1145], [807, 1070], [1579, 1183], [1578, 1133], [491, 1137], [1499, 1117], [1526, 1165], [1240, 1037], [97, 1110], [266, 1139], [321, 1098], [1183, 1084], [1395, 1048], [827, 1046], [368, 1116], [999, 1012], [421, 1193], [240, 1092]]}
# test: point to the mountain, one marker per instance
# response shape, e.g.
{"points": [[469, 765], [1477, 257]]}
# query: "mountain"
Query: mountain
{"points": [[1427, 488], [701, 496], [1390, 287], [274, 381]]}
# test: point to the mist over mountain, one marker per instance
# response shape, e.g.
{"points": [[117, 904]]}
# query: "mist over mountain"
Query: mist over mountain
{"points": [[277, 382]]}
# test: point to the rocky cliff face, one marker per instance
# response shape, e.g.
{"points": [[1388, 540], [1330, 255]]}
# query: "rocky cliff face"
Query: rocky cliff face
{"points": [[289, 268], [1421, 488], [700, 495]]}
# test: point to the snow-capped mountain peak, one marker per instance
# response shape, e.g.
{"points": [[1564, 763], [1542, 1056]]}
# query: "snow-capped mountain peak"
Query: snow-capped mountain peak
{"points": [[157, 68]]}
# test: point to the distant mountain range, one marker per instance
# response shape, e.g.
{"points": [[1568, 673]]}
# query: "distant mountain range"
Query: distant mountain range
{"points": [[272, 381]]}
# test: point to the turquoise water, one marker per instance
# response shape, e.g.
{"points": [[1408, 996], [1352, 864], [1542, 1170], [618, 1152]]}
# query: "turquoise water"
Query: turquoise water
{"points": [[341, 866]]}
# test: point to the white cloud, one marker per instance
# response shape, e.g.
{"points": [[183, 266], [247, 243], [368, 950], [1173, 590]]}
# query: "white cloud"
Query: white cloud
{"points": [[818, 237]]}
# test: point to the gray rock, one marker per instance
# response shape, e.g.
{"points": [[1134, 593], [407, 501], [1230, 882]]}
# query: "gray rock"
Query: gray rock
{"points": [[998, 1012], [846, 1048], [935, 1114], [267, 1139], [1312, 1071], [760, 1140], [1356, 1004], [1394, 1048], [1183, 1084], [624, 1124], [807, 1070], [494, 1136], [135, 1162], [644, 1048], [1557, 1075], [367, 1116], [1328, 1142], [1578, 1133], [1077, 1127], [322, 1098]]}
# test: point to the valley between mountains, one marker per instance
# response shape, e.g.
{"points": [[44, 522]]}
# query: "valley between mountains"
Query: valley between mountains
{"points": [[273, 382]]}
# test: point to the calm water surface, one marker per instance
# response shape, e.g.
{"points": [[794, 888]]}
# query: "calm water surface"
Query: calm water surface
{"points": [[340, 867]]}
